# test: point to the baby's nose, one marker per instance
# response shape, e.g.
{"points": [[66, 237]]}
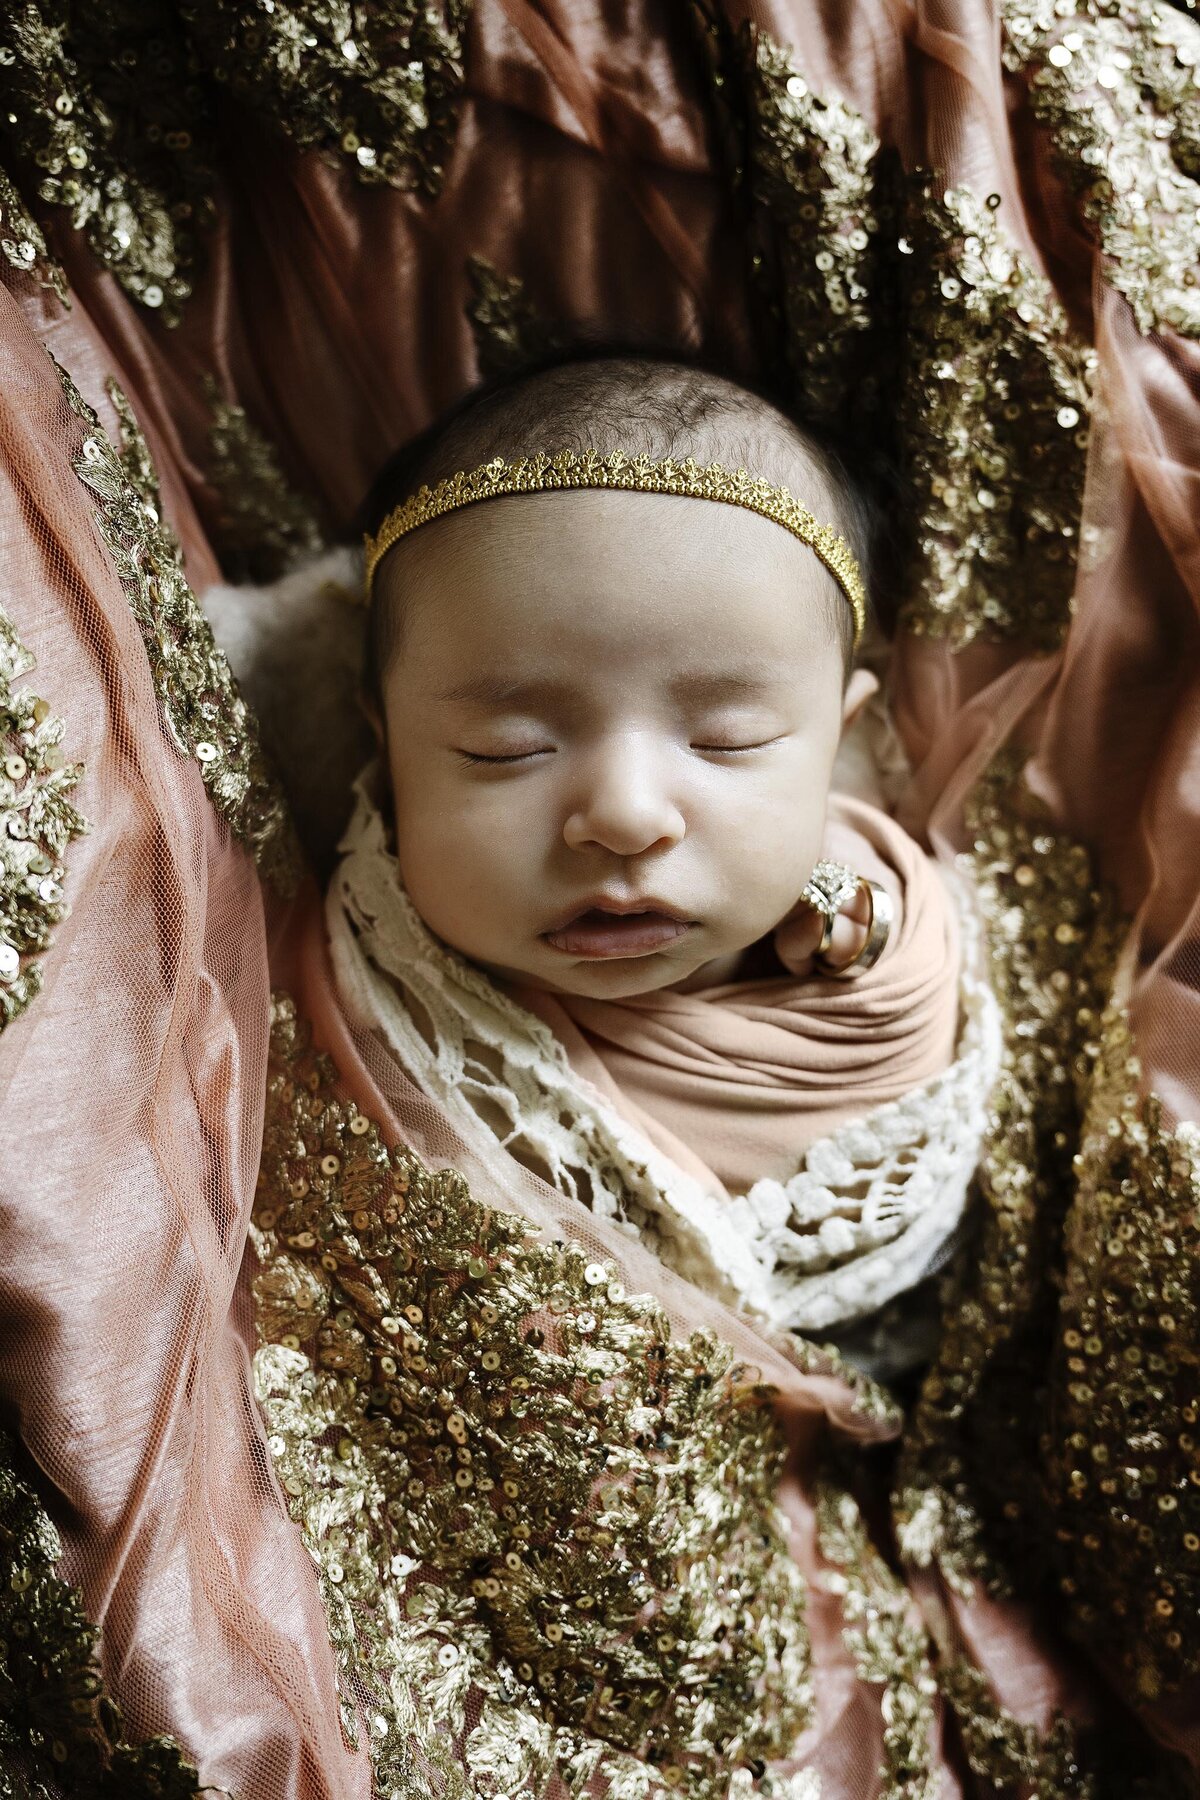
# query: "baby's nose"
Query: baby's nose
{"points": [[624, 809]]}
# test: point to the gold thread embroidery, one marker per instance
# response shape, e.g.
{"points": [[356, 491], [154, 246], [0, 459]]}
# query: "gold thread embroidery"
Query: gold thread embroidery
{"points": [[889, 1646], [264, 525], [205, 716], [23, 243], [37, 822], [546, 1528], [57, 1724], [1115, 83], [378, 86], [969, 1485], [907, 317]]}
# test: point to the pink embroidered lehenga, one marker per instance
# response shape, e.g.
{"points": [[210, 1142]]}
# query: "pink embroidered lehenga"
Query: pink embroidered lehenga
{"points": [[347, 1460]]}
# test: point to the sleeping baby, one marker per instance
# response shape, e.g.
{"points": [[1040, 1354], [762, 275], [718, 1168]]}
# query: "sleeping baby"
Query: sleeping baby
{"points": [[597, 895]]}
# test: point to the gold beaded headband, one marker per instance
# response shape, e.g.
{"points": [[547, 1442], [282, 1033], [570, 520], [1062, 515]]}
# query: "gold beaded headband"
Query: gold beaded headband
{"points": [[569, 469]]}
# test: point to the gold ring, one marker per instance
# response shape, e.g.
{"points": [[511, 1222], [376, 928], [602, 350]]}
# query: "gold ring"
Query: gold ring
{"points": [[879, 925]]}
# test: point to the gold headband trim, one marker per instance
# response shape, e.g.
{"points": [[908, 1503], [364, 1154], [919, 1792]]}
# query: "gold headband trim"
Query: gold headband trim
{"points": [[541, 473]]}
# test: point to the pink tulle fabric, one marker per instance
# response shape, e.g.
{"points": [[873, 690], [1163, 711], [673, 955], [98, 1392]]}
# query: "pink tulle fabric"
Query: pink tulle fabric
{"points": [[132, 1090]]}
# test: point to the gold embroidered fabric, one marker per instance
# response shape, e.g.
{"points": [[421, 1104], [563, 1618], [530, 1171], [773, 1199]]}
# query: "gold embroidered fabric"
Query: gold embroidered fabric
{"points": [[113, 113], [1114, 80], [37, 823], [1057, 1434], [264, 525], [205, 715], [107, 121], [545, 1527], [889, 1645], [58, 1726], [507, 327], [376, 85], [907, 317], [23, 244]]}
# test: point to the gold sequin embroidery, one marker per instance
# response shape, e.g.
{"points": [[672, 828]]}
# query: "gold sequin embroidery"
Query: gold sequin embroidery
{"points": [[1123, 1462], [113, 114], [1115, 81], [889, 1645], [377, 86], [263, 525], [37, 822], [507, 327], [545, 1527], [109, 122], [23, 244], [1056, 1429], [969, 1488], [205, 716], [58, 1726], [908, 318]]}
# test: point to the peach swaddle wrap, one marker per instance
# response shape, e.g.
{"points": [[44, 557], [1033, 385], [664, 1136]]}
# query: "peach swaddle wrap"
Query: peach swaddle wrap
{"points": [[734, 1082]]}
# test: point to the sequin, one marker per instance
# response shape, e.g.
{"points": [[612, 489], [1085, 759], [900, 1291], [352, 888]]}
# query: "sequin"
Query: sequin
{"points": [[1112, 81], [481, 1557], [906, 317], [203, 710], [37, 823], [58, 1725], [132, 163], [986, 1487]]}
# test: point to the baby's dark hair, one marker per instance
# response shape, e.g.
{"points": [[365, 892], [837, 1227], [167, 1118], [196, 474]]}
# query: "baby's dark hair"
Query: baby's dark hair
{"points": [[602, 395]]}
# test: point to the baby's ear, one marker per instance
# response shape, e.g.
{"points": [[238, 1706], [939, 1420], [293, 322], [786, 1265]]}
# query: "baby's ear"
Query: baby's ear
{"points": [[861, 685]]}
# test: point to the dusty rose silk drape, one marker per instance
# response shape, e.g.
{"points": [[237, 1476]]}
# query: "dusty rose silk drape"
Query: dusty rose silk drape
{"points": [[588, 162]]}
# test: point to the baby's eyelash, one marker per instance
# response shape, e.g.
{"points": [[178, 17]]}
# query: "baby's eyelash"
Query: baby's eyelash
{"points": [[474, 759], [469, 756], [734, 749]]}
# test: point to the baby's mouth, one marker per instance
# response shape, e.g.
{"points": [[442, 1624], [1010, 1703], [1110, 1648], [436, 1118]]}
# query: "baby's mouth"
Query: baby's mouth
{"points": [[599, 934]]}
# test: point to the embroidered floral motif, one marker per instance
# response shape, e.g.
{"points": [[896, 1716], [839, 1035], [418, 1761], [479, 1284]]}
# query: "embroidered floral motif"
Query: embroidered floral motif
{"points": [[1115, 82], [264, 525], [204, 713], [37, 822], [908, 317], [22, 242], [57, 1724], [546, 1527]]}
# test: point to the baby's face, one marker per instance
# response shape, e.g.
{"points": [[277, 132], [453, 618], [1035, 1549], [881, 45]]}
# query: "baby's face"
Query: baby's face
{"points": [[611, 723]]}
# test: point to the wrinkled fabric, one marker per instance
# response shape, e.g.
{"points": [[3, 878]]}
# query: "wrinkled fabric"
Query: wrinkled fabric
{"points": [[735, 1081], [587, 164]]}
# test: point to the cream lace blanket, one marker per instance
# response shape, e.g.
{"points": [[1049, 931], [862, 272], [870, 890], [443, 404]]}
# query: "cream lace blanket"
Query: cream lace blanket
{"points": [[867, 1212]]}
